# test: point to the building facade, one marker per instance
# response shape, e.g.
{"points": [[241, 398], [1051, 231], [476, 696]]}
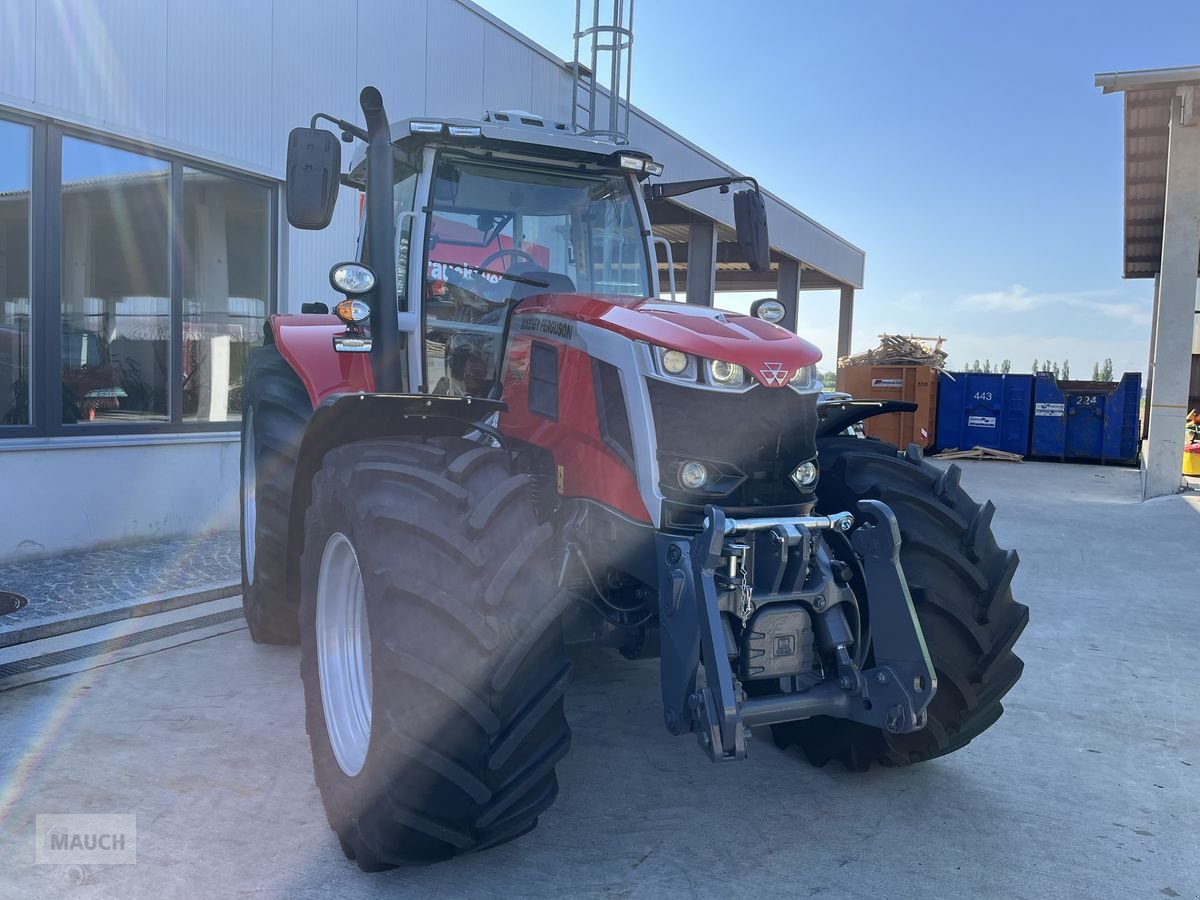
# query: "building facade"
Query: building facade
{"points": [[142, 242]]}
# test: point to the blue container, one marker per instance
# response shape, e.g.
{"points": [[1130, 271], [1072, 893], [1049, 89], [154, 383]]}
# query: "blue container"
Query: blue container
{"points": [[1087, 420], [979, 409]]}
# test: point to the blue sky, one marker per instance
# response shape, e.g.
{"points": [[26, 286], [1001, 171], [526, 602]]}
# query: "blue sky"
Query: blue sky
{"points": [[962, 145]]}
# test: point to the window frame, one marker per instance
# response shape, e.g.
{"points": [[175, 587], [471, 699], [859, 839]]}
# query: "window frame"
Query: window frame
{"points": [[46, 280], [36, 261]]}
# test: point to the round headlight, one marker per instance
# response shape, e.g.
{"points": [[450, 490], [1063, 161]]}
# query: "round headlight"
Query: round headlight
{"points": [[692, 475], [674, 362], [805, 475], [769, 310], [352, 312], [351, 278], [723, 372]]}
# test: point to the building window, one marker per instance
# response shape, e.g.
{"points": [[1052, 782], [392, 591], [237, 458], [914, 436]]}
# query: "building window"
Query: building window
{"points": [[133, 285], [115, 285], [226, 288], [16, 341]]}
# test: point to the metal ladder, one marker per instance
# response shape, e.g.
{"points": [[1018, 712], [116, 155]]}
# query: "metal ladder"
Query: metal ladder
{"points": [[612, 39]]}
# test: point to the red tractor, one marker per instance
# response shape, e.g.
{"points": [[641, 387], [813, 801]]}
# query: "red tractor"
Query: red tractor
{"points": [[501, 443]]}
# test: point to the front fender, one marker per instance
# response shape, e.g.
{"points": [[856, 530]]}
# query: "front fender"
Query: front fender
{"points": [[835, 416], [306, 342]]}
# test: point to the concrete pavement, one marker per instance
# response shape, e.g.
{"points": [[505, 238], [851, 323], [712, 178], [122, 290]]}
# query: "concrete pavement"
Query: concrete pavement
{"points": [[1089, 786]]}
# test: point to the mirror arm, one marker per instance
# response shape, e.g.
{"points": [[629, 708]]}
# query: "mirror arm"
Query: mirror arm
{"points": [[678, 188], [348, 128]]}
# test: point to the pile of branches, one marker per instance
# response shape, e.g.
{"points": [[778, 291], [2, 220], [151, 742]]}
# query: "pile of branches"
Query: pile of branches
{"points": [[898, 350]]}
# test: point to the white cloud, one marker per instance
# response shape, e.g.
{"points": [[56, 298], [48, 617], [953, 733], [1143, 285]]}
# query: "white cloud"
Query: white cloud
{"points": [[1018, 299]]}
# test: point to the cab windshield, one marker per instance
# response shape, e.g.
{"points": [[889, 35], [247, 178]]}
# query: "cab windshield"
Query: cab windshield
{"points": [[499, 234]]}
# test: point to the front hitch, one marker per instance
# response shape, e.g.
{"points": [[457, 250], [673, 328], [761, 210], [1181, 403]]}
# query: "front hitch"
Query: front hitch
{"points": [[893, 695]]}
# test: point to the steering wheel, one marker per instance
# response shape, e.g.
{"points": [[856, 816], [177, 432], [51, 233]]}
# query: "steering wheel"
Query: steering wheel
{"points": [[514, 252]]}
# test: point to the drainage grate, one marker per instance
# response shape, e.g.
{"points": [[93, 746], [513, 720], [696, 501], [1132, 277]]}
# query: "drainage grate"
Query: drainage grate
{"points": [[113, 645], [10, 602]]}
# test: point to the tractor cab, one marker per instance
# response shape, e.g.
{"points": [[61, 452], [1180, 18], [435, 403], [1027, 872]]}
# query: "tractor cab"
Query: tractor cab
{"points": [[503, 218], [479, 215]]}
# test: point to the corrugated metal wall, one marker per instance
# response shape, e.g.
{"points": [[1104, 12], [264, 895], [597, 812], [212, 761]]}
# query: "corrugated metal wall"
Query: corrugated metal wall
{"points": [[227, 79]]}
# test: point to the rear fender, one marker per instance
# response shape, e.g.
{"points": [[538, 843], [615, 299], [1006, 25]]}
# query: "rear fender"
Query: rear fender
{"points": [[346, 418], [835, 416]]}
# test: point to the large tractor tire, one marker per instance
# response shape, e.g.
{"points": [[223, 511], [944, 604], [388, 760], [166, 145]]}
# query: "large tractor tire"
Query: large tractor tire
{"points": [[432, 654], [276, 412], [959, 579]]}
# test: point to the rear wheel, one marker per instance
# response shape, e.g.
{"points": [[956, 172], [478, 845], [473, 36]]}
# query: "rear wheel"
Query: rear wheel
{"points": [[960, 583], [431, 652], [277, 411]]}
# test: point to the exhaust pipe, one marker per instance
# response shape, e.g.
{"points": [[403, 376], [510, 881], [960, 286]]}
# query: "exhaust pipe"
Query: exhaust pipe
{"points": [[389, 358]]}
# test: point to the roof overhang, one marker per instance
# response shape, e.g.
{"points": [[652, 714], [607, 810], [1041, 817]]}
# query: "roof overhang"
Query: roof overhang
{"points": [[1149, 94]]}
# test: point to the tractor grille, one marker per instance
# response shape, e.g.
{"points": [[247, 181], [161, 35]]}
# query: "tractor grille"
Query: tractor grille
{"points": [[763, 434]]}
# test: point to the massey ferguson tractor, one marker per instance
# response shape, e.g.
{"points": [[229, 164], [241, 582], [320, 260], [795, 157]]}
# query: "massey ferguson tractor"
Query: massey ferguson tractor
{"points": [[501, 443]]}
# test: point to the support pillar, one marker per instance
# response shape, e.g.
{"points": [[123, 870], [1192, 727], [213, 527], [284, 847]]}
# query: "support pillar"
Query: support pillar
{"points": [[212, 297], [787, 291], [1150, 362], [845, 321], [1176, 300], [702, 263]]}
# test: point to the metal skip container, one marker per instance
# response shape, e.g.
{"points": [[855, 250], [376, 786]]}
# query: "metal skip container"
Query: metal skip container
{"points": [[917, 384], [982, 409], [1087, 420]]}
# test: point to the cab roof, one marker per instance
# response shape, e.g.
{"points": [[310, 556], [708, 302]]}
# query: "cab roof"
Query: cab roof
{"points": [[513, 130]]}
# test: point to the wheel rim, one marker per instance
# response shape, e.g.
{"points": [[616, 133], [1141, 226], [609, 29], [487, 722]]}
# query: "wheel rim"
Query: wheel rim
{"points": [[344, 654], [249, 496]]}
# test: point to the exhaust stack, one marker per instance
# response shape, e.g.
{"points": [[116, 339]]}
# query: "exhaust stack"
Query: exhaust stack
{"points": [[389, 357]]}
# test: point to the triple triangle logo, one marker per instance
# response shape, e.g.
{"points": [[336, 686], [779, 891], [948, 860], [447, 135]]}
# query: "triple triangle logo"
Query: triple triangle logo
{"points": [[773, 373]]}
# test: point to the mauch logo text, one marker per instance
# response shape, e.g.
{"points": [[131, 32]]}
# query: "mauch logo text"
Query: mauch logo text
{"points": [[85, 839]]}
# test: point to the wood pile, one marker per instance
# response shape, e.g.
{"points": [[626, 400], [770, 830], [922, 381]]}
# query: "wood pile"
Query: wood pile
{"points": [[899, 350], [979, 453]]}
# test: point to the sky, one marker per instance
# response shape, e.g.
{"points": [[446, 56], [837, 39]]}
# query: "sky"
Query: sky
{"points": [[962, 145]]}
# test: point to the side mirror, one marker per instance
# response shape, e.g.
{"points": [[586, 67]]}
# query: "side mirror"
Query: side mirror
{"points": [[750, 218], [314, 166]]}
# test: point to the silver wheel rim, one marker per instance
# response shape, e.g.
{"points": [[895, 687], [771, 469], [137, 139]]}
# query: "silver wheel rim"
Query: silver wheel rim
{"points": [[249, 497], [344, 654]]}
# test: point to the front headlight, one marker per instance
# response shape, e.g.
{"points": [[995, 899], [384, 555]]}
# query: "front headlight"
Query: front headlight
{"points": [[805, 379], [726, 374], [675, 364]]}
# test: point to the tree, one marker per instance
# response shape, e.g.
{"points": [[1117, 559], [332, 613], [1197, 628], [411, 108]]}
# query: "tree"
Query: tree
{"points": [[1006, 366], [1066, 369], [1055, 371], [1035, 366], [987, 365], [1095, 371], [976, 367], [1106, 373]]}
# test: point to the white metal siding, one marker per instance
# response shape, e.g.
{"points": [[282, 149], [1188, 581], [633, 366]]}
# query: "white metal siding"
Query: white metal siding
{"points": [[456, 38], [105, 62], [393, 58], [219, 78], [17, 42], [507, 73]]}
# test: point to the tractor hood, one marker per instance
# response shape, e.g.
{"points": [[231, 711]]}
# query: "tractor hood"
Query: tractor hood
{"points": [[759, 347]]}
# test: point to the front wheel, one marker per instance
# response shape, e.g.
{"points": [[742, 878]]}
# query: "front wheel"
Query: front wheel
{"points": [[960, 581], [432, 658]]}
